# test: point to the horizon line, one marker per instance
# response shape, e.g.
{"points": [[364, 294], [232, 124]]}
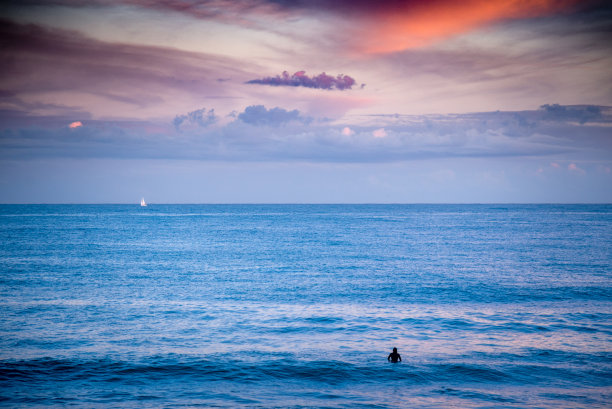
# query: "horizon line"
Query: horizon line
{"points": [[294, 203]]}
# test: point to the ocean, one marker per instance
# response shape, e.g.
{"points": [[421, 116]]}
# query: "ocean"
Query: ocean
{"points": [[297, 306]]}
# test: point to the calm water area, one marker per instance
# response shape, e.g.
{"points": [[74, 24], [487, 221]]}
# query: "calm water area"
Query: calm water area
{"points": [[295, 306]]}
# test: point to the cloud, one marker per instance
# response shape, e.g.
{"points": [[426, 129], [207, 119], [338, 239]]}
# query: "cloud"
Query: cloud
{"points": [[488, 67], [387, 7], [374, 26], [346, 131], [412, 24], [198, 118], [572, 167], [362, 26], [371, 26], [300, 79], [75, 124], [580, 113], [278, 134], [379, 133], [259, 115], [397, 25], [39, 64]]}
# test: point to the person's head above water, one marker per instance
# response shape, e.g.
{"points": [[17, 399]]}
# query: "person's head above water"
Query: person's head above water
{"points": [[394, 356]]}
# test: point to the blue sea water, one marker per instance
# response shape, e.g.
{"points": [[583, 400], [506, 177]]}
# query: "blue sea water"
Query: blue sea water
{"points": [[490, 306]]}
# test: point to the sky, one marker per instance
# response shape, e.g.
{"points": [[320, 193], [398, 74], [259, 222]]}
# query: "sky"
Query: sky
{"points": [[308, 101]]}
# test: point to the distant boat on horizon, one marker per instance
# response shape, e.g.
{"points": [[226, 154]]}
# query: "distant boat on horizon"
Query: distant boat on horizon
{"points": [[143, 203]]}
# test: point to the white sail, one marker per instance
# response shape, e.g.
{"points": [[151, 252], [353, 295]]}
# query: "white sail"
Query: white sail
{"points": [[142, 202]]}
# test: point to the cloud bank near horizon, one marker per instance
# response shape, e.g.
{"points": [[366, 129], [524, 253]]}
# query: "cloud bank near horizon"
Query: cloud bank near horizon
{"points": [[259, 134]]}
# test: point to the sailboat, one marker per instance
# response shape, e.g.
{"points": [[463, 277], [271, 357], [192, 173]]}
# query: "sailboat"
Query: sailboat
{"points": [[143, 203]]}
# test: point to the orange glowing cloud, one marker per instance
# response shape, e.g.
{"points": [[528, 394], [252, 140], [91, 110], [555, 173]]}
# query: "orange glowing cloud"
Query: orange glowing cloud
{"points": [[420, 25], [75, 124]]}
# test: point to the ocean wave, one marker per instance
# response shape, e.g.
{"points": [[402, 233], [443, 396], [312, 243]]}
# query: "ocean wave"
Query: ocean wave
{"points": [[102, 382], [531, 367]]}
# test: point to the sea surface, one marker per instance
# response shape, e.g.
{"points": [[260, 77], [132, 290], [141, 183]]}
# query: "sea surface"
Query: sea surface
{"points": [[294, 306]]}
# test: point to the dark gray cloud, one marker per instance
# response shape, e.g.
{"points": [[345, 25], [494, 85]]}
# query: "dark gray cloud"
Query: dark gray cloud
{"points": [[300, 79]]}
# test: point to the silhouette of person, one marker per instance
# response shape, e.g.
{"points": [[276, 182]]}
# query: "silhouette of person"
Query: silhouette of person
{"points": [[394, 356]]}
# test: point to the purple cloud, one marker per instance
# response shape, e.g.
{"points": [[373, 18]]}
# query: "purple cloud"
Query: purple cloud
{"points": [[259, 115], [199, 118], [300, 79], [580, 113]]}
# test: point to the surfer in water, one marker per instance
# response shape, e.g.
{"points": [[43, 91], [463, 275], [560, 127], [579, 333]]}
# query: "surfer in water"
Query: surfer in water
{"points": [[394, 356]]}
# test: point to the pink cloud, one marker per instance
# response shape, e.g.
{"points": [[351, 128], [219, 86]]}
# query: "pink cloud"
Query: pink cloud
{"points": [[382, 26], [346, 131], [387, 27], [379, 133], [75, 124], [555, 165], [604, 169], [572, 167]]}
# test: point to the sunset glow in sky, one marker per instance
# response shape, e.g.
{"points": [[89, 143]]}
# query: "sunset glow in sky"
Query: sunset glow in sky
{"points": [[305, 101]]}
